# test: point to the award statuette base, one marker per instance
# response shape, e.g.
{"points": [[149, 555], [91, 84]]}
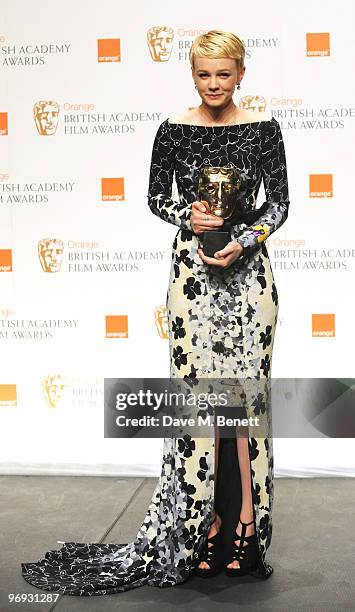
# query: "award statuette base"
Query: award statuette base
{"points": [[213, 241]]}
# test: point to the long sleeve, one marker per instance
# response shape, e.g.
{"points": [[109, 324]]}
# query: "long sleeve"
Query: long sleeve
{"points": [[274, 173], [161, 176]]}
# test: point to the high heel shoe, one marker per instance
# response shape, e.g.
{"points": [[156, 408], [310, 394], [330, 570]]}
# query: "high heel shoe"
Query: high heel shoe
{"points": [[211, 555], [244, 554]]}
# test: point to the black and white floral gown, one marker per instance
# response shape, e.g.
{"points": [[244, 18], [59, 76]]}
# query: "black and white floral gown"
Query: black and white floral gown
{"points": [[221, 324]]}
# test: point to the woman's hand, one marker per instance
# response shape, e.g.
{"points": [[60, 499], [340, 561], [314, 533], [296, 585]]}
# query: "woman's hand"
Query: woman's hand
{"points": [[225, 257], [202, 221]]}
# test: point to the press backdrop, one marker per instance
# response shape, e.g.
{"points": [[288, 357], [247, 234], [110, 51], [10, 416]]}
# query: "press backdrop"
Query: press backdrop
{"points": [[84, 264]]}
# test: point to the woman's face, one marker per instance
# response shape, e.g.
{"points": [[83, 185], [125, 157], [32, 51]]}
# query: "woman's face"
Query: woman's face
{"points": [[216, 79]]}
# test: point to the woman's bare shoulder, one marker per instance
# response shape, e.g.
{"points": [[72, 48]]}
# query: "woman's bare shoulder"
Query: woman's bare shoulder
{"points": [[245, 116], [184, 117], [251, 116]]}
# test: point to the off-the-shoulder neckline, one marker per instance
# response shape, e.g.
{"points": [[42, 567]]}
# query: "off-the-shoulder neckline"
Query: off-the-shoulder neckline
{"points": [[220, 126]]}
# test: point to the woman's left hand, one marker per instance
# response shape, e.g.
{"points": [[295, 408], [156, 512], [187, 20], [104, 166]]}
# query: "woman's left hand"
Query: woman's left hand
{"points": [[225, 257]]}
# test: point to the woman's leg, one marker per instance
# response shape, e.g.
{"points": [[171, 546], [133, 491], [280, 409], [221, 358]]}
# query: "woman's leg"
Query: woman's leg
{"points": [[215, 527], [246, 512]]}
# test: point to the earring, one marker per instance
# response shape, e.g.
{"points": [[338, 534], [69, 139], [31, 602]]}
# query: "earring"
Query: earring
{"points": [[195, 86], [238, 87]]}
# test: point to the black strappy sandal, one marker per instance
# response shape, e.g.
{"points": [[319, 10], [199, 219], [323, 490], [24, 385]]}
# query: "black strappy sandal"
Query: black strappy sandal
{"points": [[212, 554], [244, 554]]}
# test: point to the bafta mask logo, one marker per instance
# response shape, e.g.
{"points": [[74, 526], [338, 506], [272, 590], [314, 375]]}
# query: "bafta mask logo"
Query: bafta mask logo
{"points": [[161, 321], [46, 114], [50, 252], [253, 103], [160, 43], [54, 387]]}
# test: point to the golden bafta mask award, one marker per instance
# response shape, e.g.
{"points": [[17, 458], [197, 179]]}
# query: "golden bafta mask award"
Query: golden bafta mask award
{"points": [[219, 189]]}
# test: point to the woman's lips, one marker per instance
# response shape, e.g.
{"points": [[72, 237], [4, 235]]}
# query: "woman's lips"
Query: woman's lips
{"points": [[214, 95]]}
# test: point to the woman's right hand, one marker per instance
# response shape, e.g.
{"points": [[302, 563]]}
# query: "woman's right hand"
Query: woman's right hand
{"points": [[202, 221]]}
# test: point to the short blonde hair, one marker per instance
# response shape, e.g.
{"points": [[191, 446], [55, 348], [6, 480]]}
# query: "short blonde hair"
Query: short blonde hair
{"points": [[218, 44]]}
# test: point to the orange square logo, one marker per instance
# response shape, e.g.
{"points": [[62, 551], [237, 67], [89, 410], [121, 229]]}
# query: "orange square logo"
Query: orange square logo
{"points": [[323, 325], [108, 50], [317, 44], [3, 124], [320, 185], [8, 395], [112, 189], [116, 326], [5, 260]]}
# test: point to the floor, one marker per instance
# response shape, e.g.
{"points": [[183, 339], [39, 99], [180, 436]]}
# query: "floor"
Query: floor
{"points": [[312, 551]]}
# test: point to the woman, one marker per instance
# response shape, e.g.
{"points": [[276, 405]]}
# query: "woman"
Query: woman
{"points": [[222, 313], [222, 316]]}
